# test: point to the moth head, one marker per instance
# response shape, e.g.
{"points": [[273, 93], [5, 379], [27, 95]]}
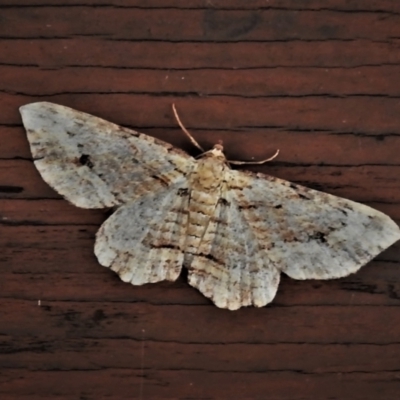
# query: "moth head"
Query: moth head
{"points": [[219, 146], [216, 152]]}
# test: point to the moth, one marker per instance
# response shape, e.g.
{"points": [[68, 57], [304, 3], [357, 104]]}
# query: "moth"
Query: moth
{"points": [[235, 231]]}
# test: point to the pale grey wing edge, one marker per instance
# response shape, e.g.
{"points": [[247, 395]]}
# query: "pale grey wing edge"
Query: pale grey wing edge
{"points": [[229, 267], [144, 241], [307, 233], [94, 163]]}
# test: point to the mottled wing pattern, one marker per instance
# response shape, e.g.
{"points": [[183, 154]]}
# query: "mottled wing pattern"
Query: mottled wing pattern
{"points": [[96, 164], [230, 266], [144, 241], [306, 233]]}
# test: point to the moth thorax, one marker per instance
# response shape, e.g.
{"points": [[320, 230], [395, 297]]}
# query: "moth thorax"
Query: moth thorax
{"points": [[210, 173]]}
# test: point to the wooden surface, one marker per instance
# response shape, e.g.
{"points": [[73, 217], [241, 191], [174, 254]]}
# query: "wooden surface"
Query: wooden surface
{"points": [[319, 80]]}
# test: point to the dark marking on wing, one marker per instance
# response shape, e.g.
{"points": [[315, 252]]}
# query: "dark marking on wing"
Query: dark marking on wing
{"points": [[160, 179], [165, 246], [183, 192], [247, 207], [318, 236], [303, 197], [84, 159], [211, 258], [223, 202]]}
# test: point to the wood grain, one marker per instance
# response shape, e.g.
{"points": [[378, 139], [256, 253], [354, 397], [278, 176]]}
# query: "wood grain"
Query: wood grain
{"points": [[320, 80]]}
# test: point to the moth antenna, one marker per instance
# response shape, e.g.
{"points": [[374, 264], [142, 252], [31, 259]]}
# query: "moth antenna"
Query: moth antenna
{"points": [[255, 162], [192, 139]]}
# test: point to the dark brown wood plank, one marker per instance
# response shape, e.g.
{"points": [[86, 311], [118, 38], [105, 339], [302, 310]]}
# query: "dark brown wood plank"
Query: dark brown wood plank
{"points": [[316, 5], [88, 52], [201, 323], [128, 384], [226, 112], [313, 358], [199, 25], [261, 82]]}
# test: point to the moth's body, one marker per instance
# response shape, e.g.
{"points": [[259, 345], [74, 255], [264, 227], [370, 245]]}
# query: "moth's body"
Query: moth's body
{"points": [[235, 231], [205, 189]]}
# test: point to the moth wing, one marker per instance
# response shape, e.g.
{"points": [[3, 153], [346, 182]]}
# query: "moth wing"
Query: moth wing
{"points": [[94, 163], [229, 266], [144, 241], [306, 233]]}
